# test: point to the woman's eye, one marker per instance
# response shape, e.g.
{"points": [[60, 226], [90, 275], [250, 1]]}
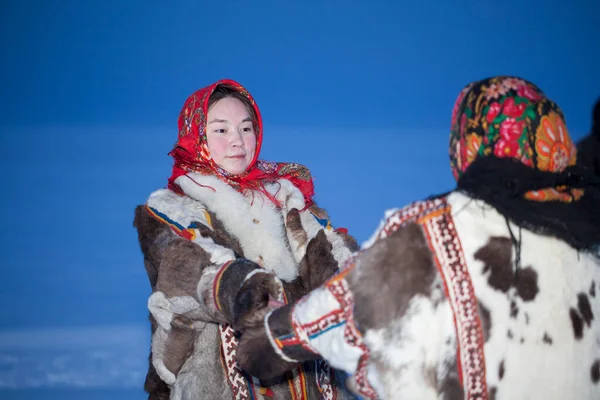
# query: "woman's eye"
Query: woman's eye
{"points": [[247, 129], [219, 130]]}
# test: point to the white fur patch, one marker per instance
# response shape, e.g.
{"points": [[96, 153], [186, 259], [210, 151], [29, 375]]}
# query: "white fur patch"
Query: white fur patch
{"points": [[181, 209], [183, 304], [160, 308], [412, 350], [340, 251], [158, 348], [219, 255], [532, 366]]}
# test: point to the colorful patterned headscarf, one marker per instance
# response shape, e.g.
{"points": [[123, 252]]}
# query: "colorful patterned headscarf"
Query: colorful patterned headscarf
{"points": [[509, 147], [191, 151], [508, 117]]}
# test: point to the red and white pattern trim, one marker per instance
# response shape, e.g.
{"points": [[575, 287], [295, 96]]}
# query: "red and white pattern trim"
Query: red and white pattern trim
{"points": [[435, 218], [340, 290], [450, 260], [242, 387], [412, 212], [325, 378]]}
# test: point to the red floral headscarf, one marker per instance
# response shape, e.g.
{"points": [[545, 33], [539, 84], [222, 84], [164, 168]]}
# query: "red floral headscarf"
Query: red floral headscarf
{"points": [[508, 117], [191, 153]]}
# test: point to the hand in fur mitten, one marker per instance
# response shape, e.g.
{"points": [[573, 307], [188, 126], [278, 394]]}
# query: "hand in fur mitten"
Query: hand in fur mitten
{"points": [[260, 293], [256, 353], [318, 263]]}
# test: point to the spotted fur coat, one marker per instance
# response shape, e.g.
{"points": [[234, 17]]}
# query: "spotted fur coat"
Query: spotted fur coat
{"points": [[448, 300]]}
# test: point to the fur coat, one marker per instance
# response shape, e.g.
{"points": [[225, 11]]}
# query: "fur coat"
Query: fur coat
{"points": [[200, 249], [448, 300]]}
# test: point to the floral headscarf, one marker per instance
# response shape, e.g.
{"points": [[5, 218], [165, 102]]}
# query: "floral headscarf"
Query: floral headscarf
{"points": [[509, 147], [191, 151], [508, 117]]}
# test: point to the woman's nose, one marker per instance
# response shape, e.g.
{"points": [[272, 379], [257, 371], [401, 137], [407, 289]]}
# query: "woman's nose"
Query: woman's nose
{"points": [[236, 139]]}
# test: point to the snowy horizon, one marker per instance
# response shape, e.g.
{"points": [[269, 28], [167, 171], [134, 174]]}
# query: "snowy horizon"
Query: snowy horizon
{"points": [[79, 357]]}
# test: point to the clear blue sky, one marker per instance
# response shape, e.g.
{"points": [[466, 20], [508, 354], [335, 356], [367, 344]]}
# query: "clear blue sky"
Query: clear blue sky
{"points": [[361, 92]]}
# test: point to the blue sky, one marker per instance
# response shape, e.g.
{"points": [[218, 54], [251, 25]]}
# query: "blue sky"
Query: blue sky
{"points": [[361, 92]]}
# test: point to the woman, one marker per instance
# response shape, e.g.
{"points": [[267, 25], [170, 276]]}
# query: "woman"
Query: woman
{"points": [[227, 222], [491, 291]]}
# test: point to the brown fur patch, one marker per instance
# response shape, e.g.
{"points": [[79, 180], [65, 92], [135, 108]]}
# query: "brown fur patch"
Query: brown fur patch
{"points": [[257, 357], [577, 323], [318, 264], [294, 290], [179, 344], [581, 316], [280, 324], [174, 263], [389, 274], [156, 388], [526, 283], [501, 370], [153, 236], [514, 310], [450, 388], [181, 268], [486, 320], [294, 225], [220, 235], [595, 371], [252, 300], [230, 288], [593, 289], [151, 271], [547, 339], [585, 309], [349, 241], [496, 256]]}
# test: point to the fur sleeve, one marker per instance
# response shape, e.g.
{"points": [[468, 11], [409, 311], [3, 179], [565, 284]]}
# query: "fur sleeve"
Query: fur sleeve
{"points": [[195, 281], [371, 292]]}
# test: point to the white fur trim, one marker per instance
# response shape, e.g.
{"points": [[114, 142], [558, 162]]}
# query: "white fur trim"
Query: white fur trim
{"points": [[238, 213], [218, 254], [159, 338], [184, 211], [254, 272], [167, 376], [181, 209]]}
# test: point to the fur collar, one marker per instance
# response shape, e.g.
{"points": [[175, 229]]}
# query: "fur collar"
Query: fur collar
{"points": [[253, 220]]}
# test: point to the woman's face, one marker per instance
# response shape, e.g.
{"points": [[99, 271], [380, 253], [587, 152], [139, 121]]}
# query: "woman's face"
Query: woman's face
{"points": [[230, 135]]}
